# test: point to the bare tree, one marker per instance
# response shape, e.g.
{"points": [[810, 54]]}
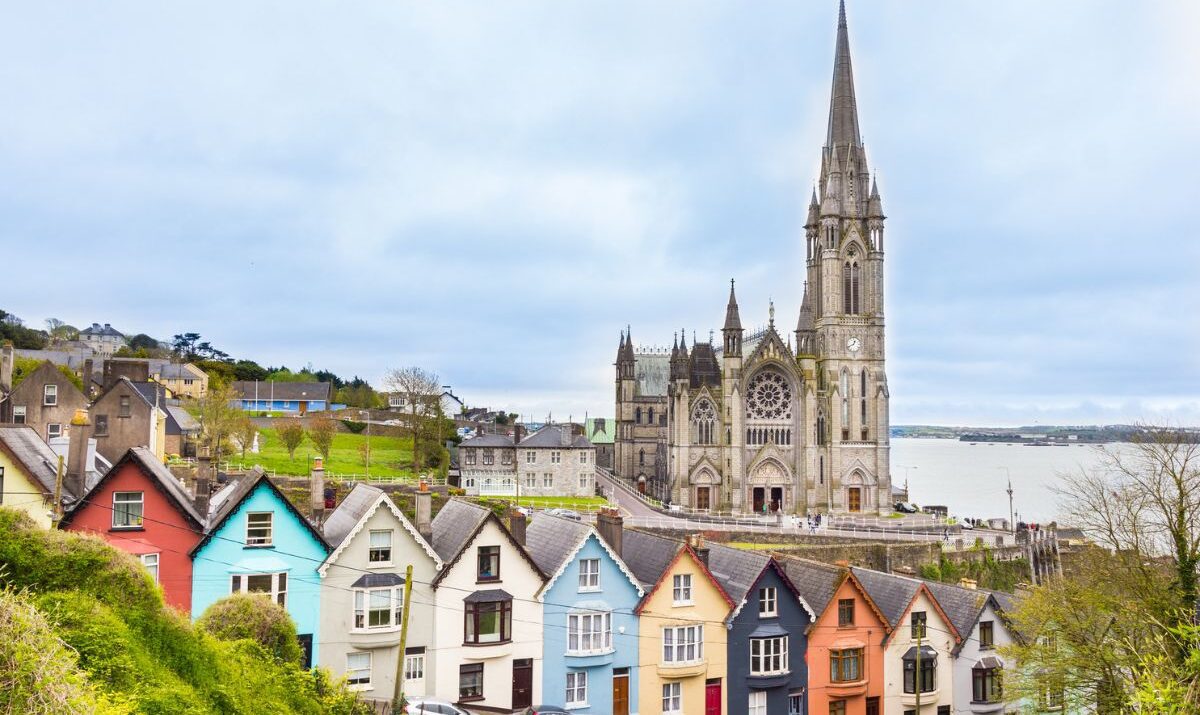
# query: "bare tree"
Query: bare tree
{"points": [[291, 433], [421, 392], [244, 433], [321, 431], [218, 417]]}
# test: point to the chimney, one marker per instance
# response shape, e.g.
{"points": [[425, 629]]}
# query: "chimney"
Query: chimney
{"points": [[86, 377], [968, 583], [564, 434], [203, 483], [7, 357], [611, 528], [424, 501], [700, 549], [317, 484], [75, 482], [518, 433], [516, 526]]}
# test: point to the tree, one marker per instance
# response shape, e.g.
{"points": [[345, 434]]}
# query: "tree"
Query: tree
{"points": [[421, 392], [321, 431], [60, 332], [219, 416], [256, 617], [249, 371], [244, 433], [291, 433], [141, 341], [13, 328]]}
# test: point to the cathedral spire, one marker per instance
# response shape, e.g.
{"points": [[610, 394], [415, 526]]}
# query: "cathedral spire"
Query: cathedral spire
{"points": [[733, 321], [843, 110]]}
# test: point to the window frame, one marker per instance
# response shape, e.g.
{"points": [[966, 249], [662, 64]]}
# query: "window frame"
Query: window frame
{"points": [[928, 676], [469, 457], [594, 627], [757, 703], [577, 684], [989, 682], [53, 430], [838, 660], [472, 618], [138, 519], [681, 589], [373, 550], [490, 553], [359, 683], [555, 456], [240, 583], [414, 667], [771, 657], [100, 427], [672, 698], [589, 577], [472, 669], [919, 624], [768, 602], [676, 641], [124, 406], [363, 609], [21, 415], [260, 541], [548, 480], [530, 457], [152, 569], [845, 613], [989, 642], [50, 395]]}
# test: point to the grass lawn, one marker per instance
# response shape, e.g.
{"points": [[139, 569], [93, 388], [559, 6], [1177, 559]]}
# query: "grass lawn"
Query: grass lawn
{"points": [[390, 456], [578, 503], [750, 546]]}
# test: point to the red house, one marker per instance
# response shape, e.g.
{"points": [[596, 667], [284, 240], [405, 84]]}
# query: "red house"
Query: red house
{"points": [[143, 509]]}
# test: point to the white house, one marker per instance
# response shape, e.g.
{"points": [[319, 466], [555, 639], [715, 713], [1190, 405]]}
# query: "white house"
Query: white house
{"points": [[104, 340], [488, 622], [978, 665], [363, 587]]}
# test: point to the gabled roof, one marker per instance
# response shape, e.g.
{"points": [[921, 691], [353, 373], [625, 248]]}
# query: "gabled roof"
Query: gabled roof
{"points": [[552, 436], [684, 551], [25, 447], [349, 518], [488, 440], [180, 420], [243, 489], [647, 555], [895, 596], [818, 583], [145, 393], [457, 525], [553, 542], [291, 391], [158, 474], [739, 571], [963, 606]]}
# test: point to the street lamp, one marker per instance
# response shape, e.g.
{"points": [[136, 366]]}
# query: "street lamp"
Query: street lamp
{"points": [[366, 415], [1012, 523], [906, 469]]}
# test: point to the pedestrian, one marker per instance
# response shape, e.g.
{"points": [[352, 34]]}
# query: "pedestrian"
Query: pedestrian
{"points": [[946, 535]]}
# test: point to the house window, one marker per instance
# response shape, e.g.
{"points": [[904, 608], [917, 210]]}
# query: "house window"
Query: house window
{"points": [[54, 429], [845, 612], [589, 633], [845, 666], [358, 670], [577, 689], [583, 457], [258, 528], [50, 395], [672, 698], [555, 457], [531, 457], [530, 480], [548, 480], [796, 703], [873, 705], [1050, 697], [589, 574], [414, 669], [380, 551], [985, 685], [150, 562], [641, 457], [468, 481], [470, 681], [469, 457], [837, 707], [489, 457], [506, 457], [585, 481], [928, 672], [378, 607], [127, 510], [769, 656], [101, 429], [683, 644], [124, 409], [681, 591], [768, 605], [487, 622], [758, 702], [19, 417], [986, 634], [272, 584], [917, 624], [489, 563], [188, 381]]}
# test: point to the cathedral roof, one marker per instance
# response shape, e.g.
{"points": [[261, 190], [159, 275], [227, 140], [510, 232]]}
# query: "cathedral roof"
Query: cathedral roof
{"points": [[652, 371]]}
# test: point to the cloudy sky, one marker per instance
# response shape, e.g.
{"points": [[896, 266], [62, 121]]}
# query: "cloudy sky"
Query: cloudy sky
{"points": [[493, 190]]}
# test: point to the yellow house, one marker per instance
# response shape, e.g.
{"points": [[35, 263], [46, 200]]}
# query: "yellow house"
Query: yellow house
{"points": [[28, 469], [683, 639], [185, 379]]}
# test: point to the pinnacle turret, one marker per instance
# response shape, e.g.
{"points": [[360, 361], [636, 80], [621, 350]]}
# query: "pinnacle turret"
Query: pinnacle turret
{"points": [[874, 204], [733, 321]]}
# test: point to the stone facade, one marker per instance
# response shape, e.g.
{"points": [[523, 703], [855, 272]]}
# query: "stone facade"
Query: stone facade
{"points": [[761, 423], [550, 462], [46, 400]]}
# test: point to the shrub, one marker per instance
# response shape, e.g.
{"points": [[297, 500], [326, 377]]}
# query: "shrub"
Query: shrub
{"points": [[354, 427], [254, 617]]}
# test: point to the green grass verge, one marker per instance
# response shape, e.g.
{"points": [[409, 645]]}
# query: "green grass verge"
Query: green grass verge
{"points": [[390, 456], [751, 546]]}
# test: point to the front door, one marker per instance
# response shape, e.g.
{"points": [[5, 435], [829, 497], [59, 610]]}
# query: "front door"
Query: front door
{"points": [[642, 485], [522, 691], [855, 500], [776, 498], [620, 693], [702, 498], [712, 697], [759, 497]]}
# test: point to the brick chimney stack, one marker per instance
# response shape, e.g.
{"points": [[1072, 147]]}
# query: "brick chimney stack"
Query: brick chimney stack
{"points": [[317, 484], [75, 482], [424, 501], [516, 526], [611, 527], [700, 549], [203, 483], [7, 358]]}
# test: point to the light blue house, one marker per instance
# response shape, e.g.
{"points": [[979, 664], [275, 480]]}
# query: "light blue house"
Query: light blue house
{"points": [[590, 632], [298, 397], [257, 542]]}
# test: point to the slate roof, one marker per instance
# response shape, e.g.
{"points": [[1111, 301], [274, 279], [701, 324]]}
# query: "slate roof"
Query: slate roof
{"points": [[735, 569], [651, 370], [347, 514], [230, 501], [488, 440], [648, 555], [816, 582], [154, 470], [552, 436], [106, 330], [961, 605], [149, 391], [891, 593], [25, 446], [551, 540], [454, 526], [182, 419], [294, 391]]}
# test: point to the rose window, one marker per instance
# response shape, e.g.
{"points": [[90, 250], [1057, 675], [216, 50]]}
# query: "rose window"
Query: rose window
{"points": [[769, 397]]}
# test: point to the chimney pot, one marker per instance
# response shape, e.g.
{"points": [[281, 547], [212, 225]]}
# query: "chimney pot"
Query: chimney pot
{"points": [[317, 485], [424, 504], [75, 482], [611, 527], [968, 583], [516, 526]]}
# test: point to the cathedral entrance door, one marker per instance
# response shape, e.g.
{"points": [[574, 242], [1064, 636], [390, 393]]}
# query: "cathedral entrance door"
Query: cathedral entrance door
{"points": [[702, 498], [759, 498], [854, 501], [776, 498]]}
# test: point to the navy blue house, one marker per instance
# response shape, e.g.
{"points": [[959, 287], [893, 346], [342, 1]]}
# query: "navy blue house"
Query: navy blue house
{"points": [[767, 668]]}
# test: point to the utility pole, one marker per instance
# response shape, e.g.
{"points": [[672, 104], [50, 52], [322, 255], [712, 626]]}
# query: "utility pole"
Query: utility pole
{"points": [[58, 484], [1012, 524], [398, 699], [367, 414]]}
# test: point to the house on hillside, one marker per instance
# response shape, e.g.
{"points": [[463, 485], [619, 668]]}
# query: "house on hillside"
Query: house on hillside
{"points": [[28, 471], [450, 403], [363, 580], [297, 397], [182, 379], [45, 399], [140, 507], [554, 461], [258, 542], [683, 643], [127, 415], [488, 628], [104, 340], [590, 633]]}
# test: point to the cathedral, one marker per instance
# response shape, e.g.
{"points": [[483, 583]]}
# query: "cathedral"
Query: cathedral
{"points": [[768, 421]]}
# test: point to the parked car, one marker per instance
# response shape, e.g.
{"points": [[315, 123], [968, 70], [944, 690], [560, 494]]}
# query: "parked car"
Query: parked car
{"points": [[546, 710], [565, 514], [905, 507], [433, 706], [964, 523]]}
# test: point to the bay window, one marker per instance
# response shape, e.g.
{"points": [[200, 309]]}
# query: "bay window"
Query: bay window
{"points": [[769, 656], [487, 618], [378, 607], [986, 687], [683, 644], [589, 633], [846, 665], [271, 584], [925, 675]]}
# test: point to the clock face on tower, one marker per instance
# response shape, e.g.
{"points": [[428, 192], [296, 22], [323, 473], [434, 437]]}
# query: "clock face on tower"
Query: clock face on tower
{"points": [[853, 345]]}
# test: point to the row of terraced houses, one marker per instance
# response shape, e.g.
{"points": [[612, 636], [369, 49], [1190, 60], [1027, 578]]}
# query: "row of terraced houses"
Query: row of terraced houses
{"points": [[603, 618]]}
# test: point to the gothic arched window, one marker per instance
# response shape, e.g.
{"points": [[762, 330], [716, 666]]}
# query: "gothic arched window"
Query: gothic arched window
{"points": [[851, 293], [650, 416], [845, 390], [862, 401], [821, 427], [704, 421], [641, 457], [637, 416]]}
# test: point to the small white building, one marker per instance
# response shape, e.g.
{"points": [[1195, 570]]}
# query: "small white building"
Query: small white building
{"points": [[104, 340], [550, 462]]}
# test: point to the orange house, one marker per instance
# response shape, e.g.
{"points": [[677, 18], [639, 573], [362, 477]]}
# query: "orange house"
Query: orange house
{"points": [[845, 642]]}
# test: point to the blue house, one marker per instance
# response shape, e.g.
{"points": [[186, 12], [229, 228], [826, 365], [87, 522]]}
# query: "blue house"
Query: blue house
{"points": [[298, 397], [257, 542], [590, 632], [767, 663]]}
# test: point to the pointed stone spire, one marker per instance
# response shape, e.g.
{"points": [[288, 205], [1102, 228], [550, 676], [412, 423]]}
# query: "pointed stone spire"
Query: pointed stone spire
{"points": [[874, 204], [830, 205], [733, 321], [806, 317], [683, 353], [814, 210], [843, 110]]}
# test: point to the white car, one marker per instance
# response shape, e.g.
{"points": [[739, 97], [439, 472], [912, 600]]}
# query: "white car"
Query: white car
{"points": [[433, 706]]}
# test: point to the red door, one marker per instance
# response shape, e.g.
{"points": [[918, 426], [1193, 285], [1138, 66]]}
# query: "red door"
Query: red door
{"points": [[712, 697]]}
